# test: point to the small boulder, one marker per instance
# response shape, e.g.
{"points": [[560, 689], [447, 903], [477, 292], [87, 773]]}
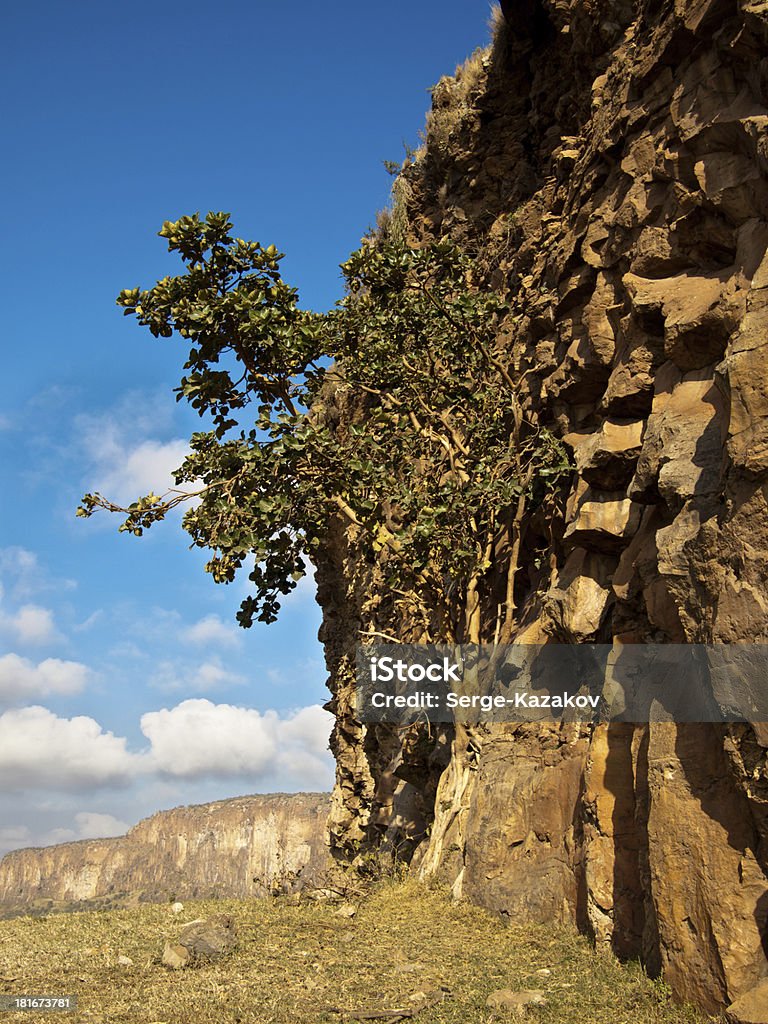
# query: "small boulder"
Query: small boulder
{"points": [[208, 940], [175, 956], [176, 908], [346, 910], [125, 961], [509, 1001]]}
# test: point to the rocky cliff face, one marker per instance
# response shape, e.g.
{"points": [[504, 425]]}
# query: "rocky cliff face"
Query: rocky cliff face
{"points": [[239, 847], [608, 164]]}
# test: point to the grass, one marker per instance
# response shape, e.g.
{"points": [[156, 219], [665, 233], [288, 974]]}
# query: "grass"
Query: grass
{"points": [[304, 962], [454, 101]]}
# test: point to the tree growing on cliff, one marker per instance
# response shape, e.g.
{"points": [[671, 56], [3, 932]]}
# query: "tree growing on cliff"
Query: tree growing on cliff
{"points": [[397, 411]]}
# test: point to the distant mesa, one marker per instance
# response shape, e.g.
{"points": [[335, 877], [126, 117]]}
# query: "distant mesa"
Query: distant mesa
{"points": [[241, 847]]}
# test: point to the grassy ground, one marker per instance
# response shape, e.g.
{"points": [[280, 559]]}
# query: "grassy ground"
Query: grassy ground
{"points": [[306, 963]]}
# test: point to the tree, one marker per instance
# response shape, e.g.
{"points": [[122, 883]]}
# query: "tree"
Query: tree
{"points": [[433, 466]]}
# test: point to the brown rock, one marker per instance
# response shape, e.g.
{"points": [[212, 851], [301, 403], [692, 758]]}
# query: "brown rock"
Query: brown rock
{"points": [[603, 518], [709, 889], [751, 1008], [209, 940], [700, 312], [696, 15], [508, 1000], [176, 956], [579, 601], [346, 910], [605, 458], [682, 453], [744, 371]]}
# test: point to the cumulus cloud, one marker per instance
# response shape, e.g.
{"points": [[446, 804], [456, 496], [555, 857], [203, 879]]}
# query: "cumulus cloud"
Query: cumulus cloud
{"points": [[125, 462], [21, 679], [40, 750], [31, 625], [202, 678], [12, 837], [211, 630], [89, 825], [23, 621], [195, 751], [137, 471], [92, 825], [198, 738]]}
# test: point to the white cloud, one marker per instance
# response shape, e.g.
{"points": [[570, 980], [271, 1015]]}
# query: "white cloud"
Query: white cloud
{"points": [[308, 728], [23, 621], [197, 751], [126, 649], [198, 738], [40, 750], [57, 836], [125, 462], [21, 679], [211, 630], [135, 472], [88, 825], [31, 625], [92, 825], [210, 675], [18, 561], [21, 569], [14, 836], [14, 833]]}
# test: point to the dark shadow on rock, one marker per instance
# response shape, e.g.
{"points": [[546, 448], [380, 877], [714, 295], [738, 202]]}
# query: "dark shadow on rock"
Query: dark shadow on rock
{"points": [[628, 903]]}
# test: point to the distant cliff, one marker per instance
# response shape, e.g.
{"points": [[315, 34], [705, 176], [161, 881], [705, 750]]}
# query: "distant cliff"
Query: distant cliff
{"points": [[238, 847]]}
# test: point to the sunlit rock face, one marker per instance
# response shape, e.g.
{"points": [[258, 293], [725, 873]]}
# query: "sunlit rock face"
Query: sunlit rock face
{"points": [[232, 848], [608, 162]]}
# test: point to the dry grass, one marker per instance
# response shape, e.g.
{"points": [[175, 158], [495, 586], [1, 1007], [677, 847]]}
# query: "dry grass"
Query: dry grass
{"points": [[454, 98], [305, 963], [453, 101], [496, 22]]}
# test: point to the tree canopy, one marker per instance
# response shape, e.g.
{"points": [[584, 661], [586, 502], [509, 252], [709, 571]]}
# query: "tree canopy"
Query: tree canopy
{"points": [[432, 462]]}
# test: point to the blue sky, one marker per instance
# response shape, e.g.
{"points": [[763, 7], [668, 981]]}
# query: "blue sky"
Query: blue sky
{"points": [[125, 684]]}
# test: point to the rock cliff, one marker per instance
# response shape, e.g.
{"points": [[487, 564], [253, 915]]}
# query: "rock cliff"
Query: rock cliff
{"points": [[607, 163], [239, 847]]}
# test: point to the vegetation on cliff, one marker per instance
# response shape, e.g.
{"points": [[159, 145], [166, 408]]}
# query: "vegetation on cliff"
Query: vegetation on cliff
{"points": [[435, 467]]}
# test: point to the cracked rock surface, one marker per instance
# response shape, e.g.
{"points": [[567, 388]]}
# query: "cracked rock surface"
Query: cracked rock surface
{"points": [[609, 163]]}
